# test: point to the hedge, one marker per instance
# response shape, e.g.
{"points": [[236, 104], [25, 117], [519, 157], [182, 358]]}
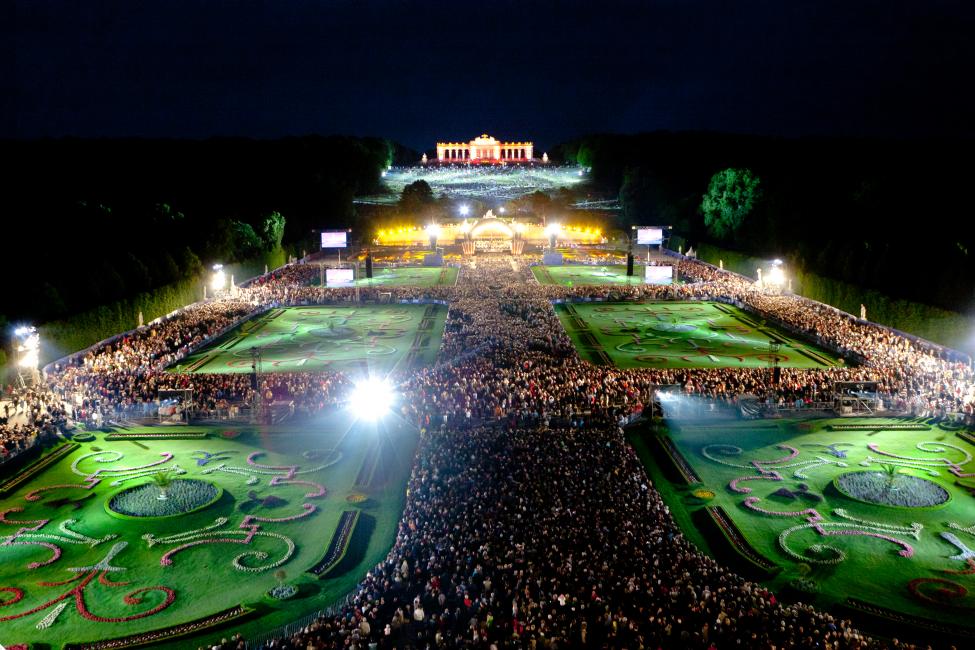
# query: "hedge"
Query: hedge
{"points": [[87, 328], [948, 328]]}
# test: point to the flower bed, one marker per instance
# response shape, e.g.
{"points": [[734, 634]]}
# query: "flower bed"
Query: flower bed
{"points": [[166, 633], [183, 496], [338, 545], [703, 494], [680, 463], [903, 426], [37, 467], [903, 491], [356, 498], [282, 592], [734, 536], [162, 435]]}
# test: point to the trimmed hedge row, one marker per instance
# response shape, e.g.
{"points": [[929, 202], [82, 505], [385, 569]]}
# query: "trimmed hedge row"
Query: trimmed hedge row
{"points": [[932, 323], [89, 327]]}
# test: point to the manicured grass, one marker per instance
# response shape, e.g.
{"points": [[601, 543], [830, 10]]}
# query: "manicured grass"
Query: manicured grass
{"points": [[682, 335], [377, 337], [409, 276], [577, 275], [873, 569], [203, 578]]}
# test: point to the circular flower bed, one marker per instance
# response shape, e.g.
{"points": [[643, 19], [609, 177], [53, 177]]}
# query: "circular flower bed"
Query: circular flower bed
{"points": [[82, 436], [182, 496], [703, 494], [901, 490], [356, 497], [282, 592]]}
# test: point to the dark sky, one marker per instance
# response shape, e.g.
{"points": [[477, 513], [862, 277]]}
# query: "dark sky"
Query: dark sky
{"points": [[421, 71]]}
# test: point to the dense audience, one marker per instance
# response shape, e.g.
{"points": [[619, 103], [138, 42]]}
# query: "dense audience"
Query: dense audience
{"points": [[529, 521]]}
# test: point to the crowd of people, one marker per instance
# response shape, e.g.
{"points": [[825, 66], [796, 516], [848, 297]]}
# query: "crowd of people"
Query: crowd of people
{"points": [[529, 520], [28, 418]]}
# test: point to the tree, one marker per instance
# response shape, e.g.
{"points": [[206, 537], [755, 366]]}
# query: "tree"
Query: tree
{"points": [[163, 479], [416, 197], [272, 231], [281, 576], [730, 198], [890, 471], [189, 264], [641, 196], [246, 242]]}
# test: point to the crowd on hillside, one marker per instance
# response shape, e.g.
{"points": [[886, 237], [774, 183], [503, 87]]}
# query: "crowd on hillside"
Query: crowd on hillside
{"points": [[529, 521]]}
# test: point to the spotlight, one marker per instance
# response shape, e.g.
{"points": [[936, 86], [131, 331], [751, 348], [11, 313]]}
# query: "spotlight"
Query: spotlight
{"points": [[219, 279], [371, 399], [775, 276], [464, 210]]}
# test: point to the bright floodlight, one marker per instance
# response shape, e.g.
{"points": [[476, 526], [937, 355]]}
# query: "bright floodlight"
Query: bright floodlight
{"points": [[219, 279], [433, 230], [28, 347], [501, 209], [371, 399], [775, 276], [464, 210], [552, 229]]}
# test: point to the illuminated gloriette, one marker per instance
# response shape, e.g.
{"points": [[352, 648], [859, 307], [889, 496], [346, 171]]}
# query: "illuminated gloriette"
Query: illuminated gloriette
{"points": [[485, 149]]}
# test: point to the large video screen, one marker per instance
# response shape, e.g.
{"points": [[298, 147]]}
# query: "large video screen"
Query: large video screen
{"points": [[659, 274], [334, 238], [339, 277], [649, 236]]}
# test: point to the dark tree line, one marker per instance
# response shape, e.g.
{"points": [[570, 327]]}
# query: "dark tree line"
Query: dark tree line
{"points": [[883, 214], [94, 221]]}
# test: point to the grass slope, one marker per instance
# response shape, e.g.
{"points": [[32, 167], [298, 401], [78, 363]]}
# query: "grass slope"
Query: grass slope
{"points": [[412, 276], [378, 337], [681, 335], [584, 275]]}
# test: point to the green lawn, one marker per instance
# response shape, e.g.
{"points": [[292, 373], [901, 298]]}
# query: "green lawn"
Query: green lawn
{"points": [[410, 276], [870, 569], [682, 335], [378, 337], [582, 275], [202, 578]]}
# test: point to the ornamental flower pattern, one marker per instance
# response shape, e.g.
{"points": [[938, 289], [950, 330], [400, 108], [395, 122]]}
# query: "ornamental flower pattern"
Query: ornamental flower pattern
{"points": [[89, 582], [772, 470], [84, 578]]}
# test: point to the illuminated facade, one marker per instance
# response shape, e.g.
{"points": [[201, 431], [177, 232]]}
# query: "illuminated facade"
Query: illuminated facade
{"points": [[485, 149], [488, 233]]}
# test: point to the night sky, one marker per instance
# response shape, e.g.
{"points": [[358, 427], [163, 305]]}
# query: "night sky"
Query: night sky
{"points": [[416, 72]]}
